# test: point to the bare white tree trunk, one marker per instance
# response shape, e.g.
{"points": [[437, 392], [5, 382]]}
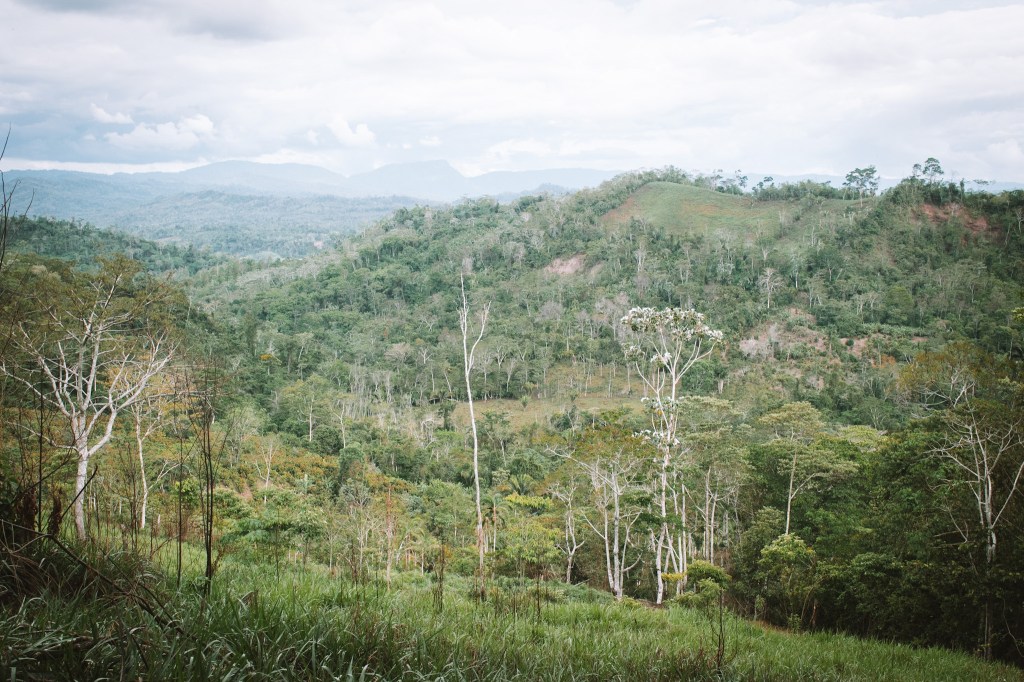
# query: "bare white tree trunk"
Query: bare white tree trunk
{"points": [[986, 448], [611, 481], [570, 543], [468, 354], [268, 448], [154, 406], [671, 341], [93, 361]]}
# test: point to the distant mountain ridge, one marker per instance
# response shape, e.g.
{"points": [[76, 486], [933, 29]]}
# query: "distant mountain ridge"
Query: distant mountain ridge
{"points": [[439, 181], [247, 208], [435, 181]]}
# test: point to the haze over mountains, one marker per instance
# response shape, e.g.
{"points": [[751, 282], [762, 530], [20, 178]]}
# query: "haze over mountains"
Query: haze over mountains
{"points": [[277, 210], [265, 210], [55, 192]]}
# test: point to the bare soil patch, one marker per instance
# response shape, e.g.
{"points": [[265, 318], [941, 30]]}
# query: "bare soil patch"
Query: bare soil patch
{"points": [[941, 214], [566, 266]]}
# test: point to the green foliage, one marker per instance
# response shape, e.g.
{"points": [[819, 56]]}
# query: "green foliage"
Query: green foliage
{"points": [[788, 569], [529, 546], [305, 625], [74, 241], [699, 571], [351, 360]]}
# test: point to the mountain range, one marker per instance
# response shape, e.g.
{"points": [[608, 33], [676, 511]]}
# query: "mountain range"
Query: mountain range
{"points": [[63, 193], [266, 210], [276, 210]]}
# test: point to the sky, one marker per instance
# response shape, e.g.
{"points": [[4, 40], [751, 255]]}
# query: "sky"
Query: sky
{"points": [[770, 86]]}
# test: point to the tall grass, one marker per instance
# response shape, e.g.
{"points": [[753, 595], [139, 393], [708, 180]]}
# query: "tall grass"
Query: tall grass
{"points": [[306, 625]]}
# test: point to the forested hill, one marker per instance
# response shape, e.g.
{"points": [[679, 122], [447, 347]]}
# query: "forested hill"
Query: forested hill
{"points": [[820, 298], [84, 244], [848, 456]]}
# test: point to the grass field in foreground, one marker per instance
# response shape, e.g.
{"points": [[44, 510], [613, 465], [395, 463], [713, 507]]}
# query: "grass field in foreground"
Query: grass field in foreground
{"points": [[305, 625]]}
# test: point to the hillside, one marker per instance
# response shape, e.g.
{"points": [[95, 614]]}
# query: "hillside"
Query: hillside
{"points": [[688, 211], [84, 243], [853, 288], [814, 473]]}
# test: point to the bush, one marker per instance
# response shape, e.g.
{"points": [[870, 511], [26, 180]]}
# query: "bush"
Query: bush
{"points": [[702, 571]]}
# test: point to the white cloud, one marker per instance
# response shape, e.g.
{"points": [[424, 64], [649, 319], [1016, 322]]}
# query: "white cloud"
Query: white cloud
{"points": [[508, 149], [362, 136], [1007, 156], [198, 124], [101, 115], [777, 85], [175, 137]]}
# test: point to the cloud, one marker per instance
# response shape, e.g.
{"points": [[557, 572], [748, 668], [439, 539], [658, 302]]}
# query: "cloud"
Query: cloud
{"points": [[779, 85], [77, 6], [101, 115], [508, 149], [181, 136], [233, 20], [362, 136], [1006, 155], [106, 168]]}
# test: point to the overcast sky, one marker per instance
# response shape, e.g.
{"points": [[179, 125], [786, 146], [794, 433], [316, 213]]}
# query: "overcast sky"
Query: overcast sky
{"points": [[763, 86]]}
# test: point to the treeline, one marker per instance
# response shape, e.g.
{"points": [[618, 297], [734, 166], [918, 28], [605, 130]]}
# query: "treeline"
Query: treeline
{"points": [[81, 242]]}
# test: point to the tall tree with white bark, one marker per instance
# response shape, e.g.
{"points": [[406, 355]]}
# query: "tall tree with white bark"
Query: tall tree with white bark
{"points": [[468, 359], [982, 444], [149, 414], [615, 477], [96, 344], [668, 343], [568, 495]]}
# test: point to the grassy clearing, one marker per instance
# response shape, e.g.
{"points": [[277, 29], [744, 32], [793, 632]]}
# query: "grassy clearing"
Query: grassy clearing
{"points": [[540, 410], [680, 209], [685, 210], [307, 625]]}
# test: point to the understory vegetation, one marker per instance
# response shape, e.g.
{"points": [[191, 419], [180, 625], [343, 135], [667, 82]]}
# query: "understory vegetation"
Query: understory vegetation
{"points": [[305, 624], [702, 433]]}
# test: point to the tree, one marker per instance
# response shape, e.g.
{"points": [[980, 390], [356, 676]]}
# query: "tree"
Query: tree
{"points": [[201, 389], [863, 181], [269, 446], [788, 569], [570, 544], [803, 462], [468, 358], [6, 205], [769, 282], [982, 443], [149, 414], [309, 398], [98, 343], [716, 453], [614, 478], [668, 344], [932, 170], [529, 545]]}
